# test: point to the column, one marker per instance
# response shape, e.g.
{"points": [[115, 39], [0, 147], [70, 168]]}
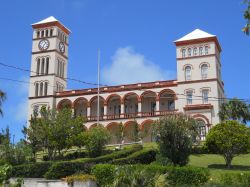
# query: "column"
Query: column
{"points": [[105, 111], [122, 110], [88, 112], [139, 108], [157, 107]]}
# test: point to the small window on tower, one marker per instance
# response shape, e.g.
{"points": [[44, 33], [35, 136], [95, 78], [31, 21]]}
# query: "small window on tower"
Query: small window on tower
{"points": [[45, 88], [206, 50], [51, 32], [201, 51], [189, 97], [36, 89], [47, 33], [195, 51], [42, 34], [38, 34], [205, 96], [189, 51], [187, 73], [47, 65], [183, 53], [204, 70], [38, 66], [41, 89]]}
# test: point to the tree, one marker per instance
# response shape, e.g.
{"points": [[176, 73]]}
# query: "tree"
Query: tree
{"points": [[247, 17], [234, 109], [2, 98], [229, 139], [174, 136], [95, 140], [54, 131]]}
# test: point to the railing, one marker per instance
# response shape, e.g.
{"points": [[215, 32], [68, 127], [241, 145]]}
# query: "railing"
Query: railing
{"points": [[133, 115]]}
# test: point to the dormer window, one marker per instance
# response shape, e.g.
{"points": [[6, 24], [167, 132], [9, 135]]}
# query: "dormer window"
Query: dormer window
{"points": [[187, 73], [201, 51], [195, 51], [189, 51], [183, 53]]}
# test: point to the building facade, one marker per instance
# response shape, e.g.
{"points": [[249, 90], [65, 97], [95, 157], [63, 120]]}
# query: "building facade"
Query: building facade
{"points": [[197, 91]]}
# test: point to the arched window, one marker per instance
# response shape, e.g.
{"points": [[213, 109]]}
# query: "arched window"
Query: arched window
{"points": [[205, 96], [206, 50], [38, 34], [201, 51], [183, 53], [41, 89], [187, 73], [36, 89], [51, 32], [47, 65], [38, 66], [47, 33], [45, 89], [202, 129], [189, 51], [195, 51], [204, 70], [42, 69], [42, 34]]}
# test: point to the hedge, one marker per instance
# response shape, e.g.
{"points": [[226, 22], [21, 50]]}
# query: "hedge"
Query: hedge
{"points": [[140, 157], [34, 170], [176, 176]]}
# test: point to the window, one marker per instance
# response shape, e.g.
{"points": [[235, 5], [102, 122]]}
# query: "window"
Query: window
{"points": [[189, 97], [204, 70], [206, 50], [187, 73], [201, 51], [38, 66], [47, 65], [42, 34], [171, 105], [36, 89], [41, 89], [36, 109], [47, 33], [45, 88], [42, 69], [202, 129], [195, 51], [51, 32], [204, 96], [189, 51], [38, 34], [183, 53]]}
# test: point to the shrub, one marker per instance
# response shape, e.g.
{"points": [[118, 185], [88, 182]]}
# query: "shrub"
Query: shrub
{"points": [[105, 174], [235, 179], [5, 171], [200, 150], [79, 177], [96, 138], [187, 176], [35, 170], [142, 157], [62, 169]]}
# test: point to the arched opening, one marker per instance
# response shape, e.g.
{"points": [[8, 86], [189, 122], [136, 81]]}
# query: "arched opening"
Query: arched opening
{"points": [[130, 105], [65, 103], [166, 101], [148, 102], [80, 107], [116, 133], [113, 107], [131, 132], [93, 108], [146, 131], [202, 129]]}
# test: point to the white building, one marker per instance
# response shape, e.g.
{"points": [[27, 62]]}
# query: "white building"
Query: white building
{"points": [[195, 92]]}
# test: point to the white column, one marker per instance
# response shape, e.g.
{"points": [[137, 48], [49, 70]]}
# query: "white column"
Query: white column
{"points": [[122, 110], [105, 112], [157, 107], [88, 112], [139, 108]]}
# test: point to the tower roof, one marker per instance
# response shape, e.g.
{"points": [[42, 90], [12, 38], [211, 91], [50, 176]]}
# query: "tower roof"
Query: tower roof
{"points": [[196, 34], [50, 21]]}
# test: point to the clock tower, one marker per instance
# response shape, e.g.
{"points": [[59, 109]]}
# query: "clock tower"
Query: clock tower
{"points": [[49, 63]]}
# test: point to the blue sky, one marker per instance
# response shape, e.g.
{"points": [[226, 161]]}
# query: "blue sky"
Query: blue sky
{"points": [[138, 33]]}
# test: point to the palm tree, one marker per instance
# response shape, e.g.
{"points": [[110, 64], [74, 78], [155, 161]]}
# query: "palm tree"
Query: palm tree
{"points": [[2, 98]]}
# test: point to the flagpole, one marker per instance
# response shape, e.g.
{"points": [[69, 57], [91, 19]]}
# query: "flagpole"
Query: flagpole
{"points": [[98, 87]]}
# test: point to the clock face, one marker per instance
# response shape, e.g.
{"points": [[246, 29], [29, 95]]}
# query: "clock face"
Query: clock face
{"points": [[61, 47], [43, 44]]}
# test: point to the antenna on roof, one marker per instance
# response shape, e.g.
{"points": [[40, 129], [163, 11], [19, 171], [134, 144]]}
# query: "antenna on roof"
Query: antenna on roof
{"points": [[98, 86]]}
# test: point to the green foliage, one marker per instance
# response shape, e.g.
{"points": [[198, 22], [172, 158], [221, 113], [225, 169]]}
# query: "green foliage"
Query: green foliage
{"points": [[5, 171], [235, 109], [54, 131], [104, 174], [133, 132], [79, 177], [2, 98], [95, 139], [187, 176], [235, 179], [34, 170], [229, 139], [143, 157], [175, 135], [62, 169], [247, 17]]}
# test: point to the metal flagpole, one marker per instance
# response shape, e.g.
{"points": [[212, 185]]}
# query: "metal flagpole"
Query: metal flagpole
{"points": [[98, 87]]}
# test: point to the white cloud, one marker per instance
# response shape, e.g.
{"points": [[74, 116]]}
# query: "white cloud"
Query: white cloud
{"points": [[129, 66]]}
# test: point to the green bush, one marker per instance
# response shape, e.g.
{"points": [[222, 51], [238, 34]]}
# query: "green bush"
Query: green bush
{"points": [[235, 179], [187, 176], [34, 170], [62, 169], [5, 171], [105, 174], [139, 157], [200, 150]]}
